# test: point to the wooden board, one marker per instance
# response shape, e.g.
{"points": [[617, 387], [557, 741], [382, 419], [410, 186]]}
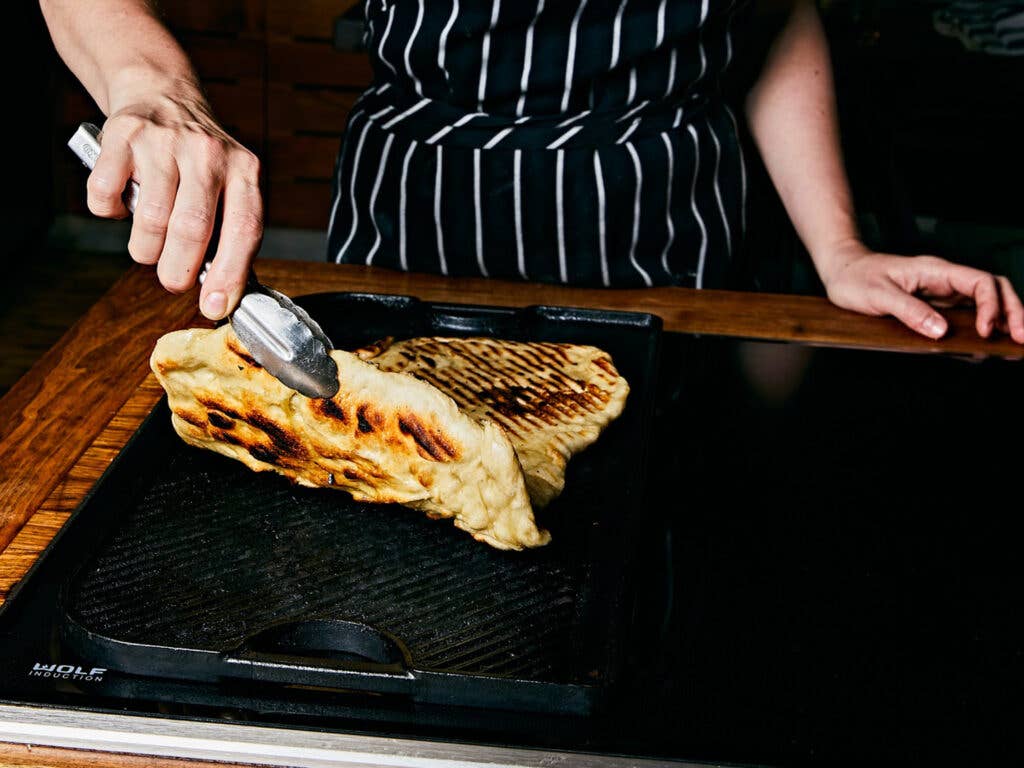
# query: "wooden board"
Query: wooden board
{"points": [[75, 389]]}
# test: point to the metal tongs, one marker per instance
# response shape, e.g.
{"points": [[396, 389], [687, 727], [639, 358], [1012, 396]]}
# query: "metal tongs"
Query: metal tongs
{"points": [[280, 335]]}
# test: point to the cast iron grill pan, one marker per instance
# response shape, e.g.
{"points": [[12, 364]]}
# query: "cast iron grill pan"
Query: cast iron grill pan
{"points": [[211, 571]]}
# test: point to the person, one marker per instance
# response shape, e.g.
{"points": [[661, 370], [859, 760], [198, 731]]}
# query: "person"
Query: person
{"points": [[584, 142]]}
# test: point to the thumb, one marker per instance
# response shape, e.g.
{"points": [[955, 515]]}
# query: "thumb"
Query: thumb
{"points": [[914, 313]]}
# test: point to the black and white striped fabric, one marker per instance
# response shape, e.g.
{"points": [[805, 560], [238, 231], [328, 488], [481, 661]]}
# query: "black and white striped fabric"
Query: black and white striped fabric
{"points": [[578, 142], [994, 27]]}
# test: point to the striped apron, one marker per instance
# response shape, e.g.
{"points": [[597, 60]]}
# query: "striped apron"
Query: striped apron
{"points": [[581, 142]]}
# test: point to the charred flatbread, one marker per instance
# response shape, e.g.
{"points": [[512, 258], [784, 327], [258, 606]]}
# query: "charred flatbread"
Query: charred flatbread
{"points": [[386, 437]]}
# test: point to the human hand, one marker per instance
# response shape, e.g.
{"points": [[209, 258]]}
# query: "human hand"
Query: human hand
{"points": [[186, 166], [910, 287]]}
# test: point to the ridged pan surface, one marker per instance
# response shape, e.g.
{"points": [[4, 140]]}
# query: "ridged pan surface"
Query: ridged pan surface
{"points": [[205, 554]]}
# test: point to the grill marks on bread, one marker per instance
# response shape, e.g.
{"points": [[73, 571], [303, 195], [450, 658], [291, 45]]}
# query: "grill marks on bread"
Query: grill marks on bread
{"points": [[385, 437], [553, 400]]}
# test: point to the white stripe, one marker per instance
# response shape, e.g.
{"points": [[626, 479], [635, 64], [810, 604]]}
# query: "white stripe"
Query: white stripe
{"points": [[671, 72], [485, 55], [560, 213], [632, 87], [574, 118], [341, 165], [668, 204], [352, 187], [383, 88], [700, 41], [414, 108], [728, 47], [443, 40], [498, 137], [408, 47], [565, 137], [718, 189], [517, 192], [696, 212], [632, 112], [660, 36], [522, 119], [703, 57], [384, 39], [381, 112], [617, 34], [571, 60], [601, 230], [679, 117], [479, 213], [402, 207], [628, 132], [743, 172], [448, 128], [736, 133], [373, 197], [437, 213], [524, 81], [638, 174]]}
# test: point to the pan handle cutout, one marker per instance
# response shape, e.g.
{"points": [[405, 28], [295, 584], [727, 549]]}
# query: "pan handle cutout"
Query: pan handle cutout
{"points": [[334, 641]]}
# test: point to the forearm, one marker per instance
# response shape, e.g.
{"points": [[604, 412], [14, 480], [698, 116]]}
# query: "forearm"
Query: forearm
{"points": [[119, 50], [793, 119]]}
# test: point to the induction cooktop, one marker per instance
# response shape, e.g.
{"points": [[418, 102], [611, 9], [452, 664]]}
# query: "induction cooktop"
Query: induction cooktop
{"points": [[828, 572]]}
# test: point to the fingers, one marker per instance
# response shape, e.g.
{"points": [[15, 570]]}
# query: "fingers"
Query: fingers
{"points": [[108, 179], [943, 278], [189, 227], [153, 210], [240, 237], [916, 314], [997, 302], [1013, 309]]}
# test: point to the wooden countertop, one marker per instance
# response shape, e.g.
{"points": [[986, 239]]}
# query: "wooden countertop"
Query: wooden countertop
{"points": [[67, 418]]}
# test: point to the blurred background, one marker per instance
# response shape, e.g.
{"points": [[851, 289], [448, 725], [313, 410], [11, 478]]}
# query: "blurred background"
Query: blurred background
{"points": [[930, 110]]}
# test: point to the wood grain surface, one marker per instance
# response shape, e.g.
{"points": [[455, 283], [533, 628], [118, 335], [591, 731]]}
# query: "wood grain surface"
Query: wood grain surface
{"points": [[51, 515], [19, 755], [808, 319], [52, 412], [63, 423]]}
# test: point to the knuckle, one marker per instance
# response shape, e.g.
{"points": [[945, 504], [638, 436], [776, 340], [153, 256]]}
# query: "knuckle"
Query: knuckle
{"points": [[248, 166], [208, 149], [192, 225], [100, 206], [101, 189], [246, 224], [152, 217]]}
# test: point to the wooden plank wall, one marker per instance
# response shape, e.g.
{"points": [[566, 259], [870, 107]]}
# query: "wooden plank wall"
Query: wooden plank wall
{"points": [[311, 87], [276, 82]]}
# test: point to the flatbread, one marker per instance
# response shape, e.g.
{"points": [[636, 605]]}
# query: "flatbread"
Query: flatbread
{"points": [[553, 400], [384, 438]]}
